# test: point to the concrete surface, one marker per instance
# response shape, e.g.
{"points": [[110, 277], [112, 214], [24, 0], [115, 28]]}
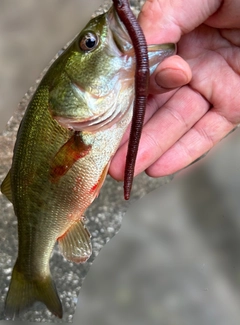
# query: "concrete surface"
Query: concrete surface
{"points": [[176, 260]]}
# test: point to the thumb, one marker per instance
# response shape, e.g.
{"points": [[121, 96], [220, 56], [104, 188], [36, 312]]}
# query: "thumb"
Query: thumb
{"points": [[165, 21]]}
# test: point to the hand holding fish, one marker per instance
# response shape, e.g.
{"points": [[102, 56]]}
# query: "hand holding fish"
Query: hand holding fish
{"points": [[183, 123]]}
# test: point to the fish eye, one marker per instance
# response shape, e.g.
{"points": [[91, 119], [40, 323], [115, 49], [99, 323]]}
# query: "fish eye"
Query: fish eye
{"points": [[88, 42]]}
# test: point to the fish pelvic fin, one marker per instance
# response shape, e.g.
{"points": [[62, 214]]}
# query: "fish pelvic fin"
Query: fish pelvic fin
{"points": [[23, 293]]}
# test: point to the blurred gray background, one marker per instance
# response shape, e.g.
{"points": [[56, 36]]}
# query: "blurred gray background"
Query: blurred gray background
{"points": [[176, 260]]}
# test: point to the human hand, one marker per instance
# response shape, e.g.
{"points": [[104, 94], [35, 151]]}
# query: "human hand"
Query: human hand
{"points": [[195, 98]]}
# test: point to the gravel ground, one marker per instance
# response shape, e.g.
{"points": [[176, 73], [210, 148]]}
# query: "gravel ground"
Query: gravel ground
{"points": [[176, 260]]}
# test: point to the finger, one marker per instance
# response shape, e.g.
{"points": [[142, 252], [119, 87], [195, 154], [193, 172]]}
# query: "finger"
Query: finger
{"points": [[200, 139], [162, 130], [172, 73], [216, 73], [166, 20], [227, 16]]}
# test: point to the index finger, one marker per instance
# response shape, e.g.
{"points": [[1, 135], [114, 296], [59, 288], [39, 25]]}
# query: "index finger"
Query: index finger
{"points": [[165, 21]]}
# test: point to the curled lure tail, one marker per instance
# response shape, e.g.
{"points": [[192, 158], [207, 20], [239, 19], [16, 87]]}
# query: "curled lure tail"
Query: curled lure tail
{"points": [[23, 293]]}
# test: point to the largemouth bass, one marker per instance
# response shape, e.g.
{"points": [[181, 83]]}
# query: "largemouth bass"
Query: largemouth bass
{"points": [[71, 129]]}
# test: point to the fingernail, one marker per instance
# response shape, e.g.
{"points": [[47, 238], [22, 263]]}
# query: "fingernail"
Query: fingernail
{"points": [[171, 78]]}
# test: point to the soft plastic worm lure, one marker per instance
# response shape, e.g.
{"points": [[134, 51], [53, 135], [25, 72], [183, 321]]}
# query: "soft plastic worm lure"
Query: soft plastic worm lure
{"points": [[141, 88]]}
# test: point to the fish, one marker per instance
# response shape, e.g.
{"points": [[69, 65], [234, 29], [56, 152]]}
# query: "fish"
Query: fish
{"points": [[71, 129]]}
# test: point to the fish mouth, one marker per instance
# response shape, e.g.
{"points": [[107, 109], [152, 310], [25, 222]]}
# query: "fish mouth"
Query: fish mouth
{"points": [[119, 32]]}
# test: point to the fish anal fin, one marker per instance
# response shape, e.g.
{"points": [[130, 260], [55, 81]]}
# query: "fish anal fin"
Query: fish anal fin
{"points": [[23, 292], [73, 150], [75, 244], [6, 186]]}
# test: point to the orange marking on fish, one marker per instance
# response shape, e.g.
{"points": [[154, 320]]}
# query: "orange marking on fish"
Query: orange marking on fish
{"points": [[60, 237], [95, 189]]}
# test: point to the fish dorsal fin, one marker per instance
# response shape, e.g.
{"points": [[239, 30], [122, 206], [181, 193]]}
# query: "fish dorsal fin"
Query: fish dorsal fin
{"points": [[75, 244], [6, 186]]}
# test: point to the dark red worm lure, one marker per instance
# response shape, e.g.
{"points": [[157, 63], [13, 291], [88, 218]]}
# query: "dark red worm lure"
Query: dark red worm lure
{"points": [[141, 88]]}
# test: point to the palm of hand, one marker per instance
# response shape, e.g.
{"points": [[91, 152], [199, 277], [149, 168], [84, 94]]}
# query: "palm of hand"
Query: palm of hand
{"points": [[205, 110]]}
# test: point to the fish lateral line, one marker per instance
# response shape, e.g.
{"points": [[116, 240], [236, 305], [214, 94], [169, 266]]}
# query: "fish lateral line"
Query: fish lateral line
{"points": [[141, 88], [73, 150]]}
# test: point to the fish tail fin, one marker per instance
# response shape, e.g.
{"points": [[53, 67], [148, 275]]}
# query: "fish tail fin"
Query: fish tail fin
{"points": [[23, 293]]}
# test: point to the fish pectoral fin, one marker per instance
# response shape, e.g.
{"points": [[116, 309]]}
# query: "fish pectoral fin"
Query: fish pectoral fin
{"points": [[75, 244], [6, 186], [73, 150]]}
